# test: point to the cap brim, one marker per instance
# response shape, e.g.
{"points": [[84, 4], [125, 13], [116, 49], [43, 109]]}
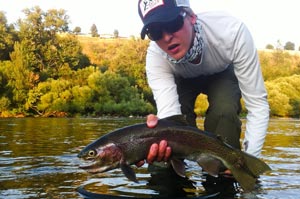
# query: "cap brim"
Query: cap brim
{"points": [[162, 17]]}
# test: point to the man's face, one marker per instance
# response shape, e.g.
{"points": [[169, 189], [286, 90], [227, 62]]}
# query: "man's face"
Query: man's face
{"points": [[178, 43]]}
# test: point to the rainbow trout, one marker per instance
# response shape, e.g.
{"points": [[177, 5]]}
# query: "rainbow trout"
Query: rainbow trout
{"points": [[126, 146]]}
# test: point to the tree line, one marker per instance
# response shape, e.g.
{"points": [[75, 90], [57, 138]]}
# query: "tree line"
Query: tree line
{"points": [[288, 46], [44, 72], [48, 70]]}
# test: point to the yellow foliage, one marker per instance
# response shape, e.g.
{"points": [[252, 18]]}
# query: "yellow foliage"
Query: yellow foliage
{"points": [[201, 105]]}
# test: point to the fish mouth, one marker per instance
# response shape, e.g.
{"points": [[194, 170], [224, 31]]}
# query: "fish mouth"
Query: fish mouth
{"points": [[91, 167]]}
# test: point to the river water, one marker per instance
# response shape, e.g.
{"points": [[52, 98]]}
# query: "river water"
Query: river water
{"points": [[38, 160]]}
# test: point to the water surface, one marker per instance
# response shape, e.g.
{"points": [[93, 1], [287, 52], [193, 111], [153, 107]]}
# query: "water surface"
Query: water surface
{"points": [[38, 160]]}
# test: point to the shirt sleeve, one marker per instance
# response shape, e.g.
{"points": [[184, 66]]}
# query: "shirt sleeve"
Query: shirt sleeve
{"points": [[161, 80], [248, 72]]}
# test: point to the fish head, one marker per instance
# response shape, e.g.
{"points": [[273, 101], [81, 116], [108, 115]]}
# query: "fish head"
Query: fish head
{"points": [[101, 158]]}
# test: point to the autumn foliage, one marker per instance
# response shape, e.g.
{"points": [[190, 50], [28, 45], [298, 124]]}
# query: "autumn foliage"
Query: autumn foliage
{"points": [[45, 70]]}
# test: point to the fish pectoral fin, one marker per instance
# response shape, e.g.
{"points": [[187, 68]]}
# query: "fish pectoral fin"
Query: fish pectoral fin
{"points": [[128, 172], [178, 166], [210, 164]]}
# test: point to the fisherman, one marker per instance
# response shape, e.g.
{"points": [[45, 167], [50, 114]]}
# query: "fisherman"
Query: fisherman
{"points": [[211, 53]]}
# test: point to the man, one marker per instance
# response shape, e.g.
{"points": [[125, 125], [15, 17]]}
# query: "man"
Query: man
{"points": [[211, 53]]}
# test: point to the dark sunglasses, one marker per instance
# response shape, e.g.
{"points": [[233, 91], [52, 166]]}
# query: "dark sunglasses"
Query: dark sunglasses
{"points": [[155, 31]]}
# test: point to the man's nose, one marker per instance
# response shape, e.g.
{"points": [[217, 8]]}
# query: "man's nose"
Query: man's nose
{"points": [[167, 36]]}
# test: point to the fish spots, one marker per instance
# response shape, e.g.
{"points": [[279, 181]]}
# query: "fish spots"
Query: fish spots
{"points": [[239, 163]]}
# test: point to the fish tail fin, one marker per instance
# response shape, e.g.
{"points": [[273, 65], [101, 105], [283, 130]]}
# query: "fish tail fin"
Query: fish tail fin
{"points": [[245, 179], [248, 172], [255, 165]]}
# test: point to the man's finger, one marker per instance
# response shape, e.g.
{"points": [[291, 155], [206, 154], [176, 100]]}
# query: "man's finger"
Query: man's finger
{"points": [[162, 150], [152, 153], [140, 163], [227, 172], [152, 120], [167, 153]]}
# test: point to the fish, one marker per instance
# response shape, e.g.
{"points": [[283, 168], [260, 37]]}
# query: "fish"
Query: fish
{"points": [[126, 146]]}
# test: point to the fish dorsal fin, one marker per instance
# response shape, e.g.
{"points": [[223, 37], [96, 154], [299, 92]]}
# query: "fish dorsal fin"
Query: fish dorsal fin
{"points": [[128, 171], [178, 166], [177, 119]]}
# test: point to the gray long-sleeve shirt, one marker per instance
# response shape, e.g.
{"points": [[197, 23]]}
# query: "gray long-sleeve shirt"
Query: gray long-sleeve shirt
{"points": [[226, 41]]}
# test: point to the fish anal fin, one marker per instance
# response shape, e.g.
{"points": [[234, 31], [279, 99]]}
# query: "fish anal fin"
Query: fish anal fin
{"points": [[128, 171], [178, 166], [210, 164]]}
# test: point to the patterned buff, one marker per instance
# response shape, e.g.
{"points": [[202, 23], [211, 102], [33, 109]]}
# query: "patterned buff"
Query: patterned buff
{"points": [[195, 50]]}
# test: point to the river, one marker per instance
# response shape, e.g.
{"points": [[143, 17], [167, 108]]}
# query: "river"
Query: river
{"points": [[38, 160]]}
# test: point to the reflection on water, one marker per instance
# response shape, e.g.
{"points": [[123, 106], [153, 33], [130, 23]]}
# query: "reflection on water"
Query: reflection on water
{"points": [[38, 160]]}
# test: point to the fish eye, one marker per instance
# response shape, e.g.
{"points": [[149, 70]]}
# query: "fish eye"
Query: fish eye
{"points": [[92, 153]]}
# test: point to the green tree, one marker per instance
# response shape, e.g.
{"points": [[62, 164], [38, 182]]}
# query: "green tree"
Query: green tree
{"points": [[49, 97], [115, 96], [56, 21], [4, 104], [47, 50], [82, 100], [296, 108], [20, 77], [289, 46], [270, 47], [7, 37], [116, 33], [94, 31], [77, 30], [38, 34]]}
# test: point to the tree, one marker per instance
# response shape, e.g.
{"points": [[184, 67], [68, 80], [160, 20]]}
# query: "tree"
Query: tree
{"points": [[7, 37], [289, 46], [94, 31], [38, 34], [56, 21], [20, 78], [270, 47], [47, 51], [116, 33], [43, 52], [279, 45], [49, 96], [77, 30]]}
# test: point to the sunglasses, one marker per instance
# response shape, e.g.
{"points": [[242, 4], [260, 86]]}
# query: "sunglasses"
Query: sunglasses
{"points": [[155, 31]]}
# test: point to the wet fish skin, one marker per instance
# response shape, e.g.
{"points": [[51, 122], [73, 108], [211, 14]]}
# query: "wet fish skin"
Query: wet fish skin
{"points": [[126, 146]]}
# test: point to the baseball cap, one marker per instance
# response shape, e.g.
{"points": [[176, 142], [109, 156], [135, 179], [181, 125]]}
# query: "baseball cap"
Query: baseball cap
{"points": [[159, 11]]}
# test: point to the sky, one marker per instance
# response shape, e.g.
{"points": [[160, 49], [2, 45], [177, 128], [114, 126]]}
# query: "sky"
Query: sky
{"points": [[267, 20]]}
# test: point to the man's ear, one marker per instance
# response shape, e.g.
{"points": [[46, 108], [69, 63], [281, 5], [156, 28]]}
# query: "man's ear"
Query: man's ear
{"points": [[193, 18]]}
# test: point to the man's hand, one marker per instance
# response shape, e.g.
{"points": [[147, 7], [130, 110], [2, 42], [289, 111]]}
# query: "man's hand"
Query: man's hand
{"points": [[152, 120], [158, 151]]}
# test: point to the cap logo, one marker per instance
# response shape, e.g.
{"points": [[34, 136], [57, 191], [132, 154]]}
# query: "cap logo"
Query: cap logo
{"points": [[147, 5], [183, 3]]}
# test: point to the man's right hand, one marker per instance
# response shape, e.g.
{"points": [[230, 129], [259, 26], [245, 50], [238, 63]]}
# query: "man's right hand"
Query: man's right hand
{"points": [[158, 151]]}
